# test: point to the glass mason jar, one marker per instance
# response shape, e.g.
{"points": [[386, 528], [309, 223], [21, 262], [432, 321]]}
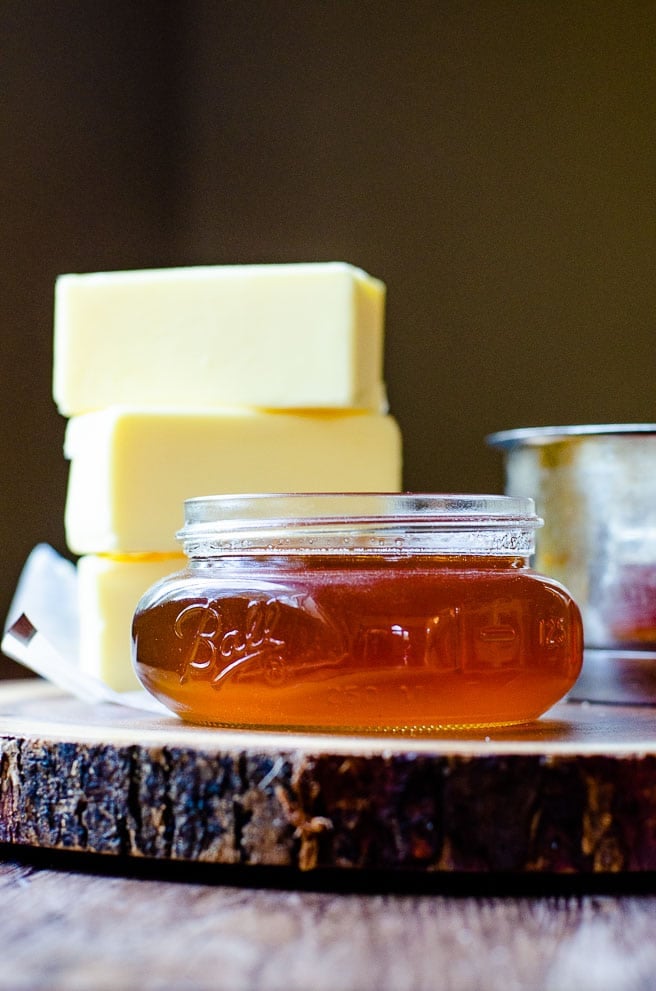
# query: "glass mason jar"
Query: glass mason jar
{"points": [[358, 613]]}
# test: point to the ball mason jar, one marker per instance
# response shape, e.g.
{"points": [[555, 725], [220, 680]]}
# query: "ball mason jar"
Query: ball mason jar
{"points": [[359, 613]]}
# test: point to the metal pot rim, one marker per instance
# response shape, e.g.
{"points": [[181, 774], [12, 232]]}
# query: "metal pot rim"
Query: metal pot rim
{"points": [[535, 436]]}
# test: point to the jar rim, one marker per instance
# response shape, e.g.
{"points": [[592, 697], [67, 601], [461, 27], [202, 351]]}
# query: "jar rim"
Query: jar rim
{"points": [[327, 522], [247, 510]]}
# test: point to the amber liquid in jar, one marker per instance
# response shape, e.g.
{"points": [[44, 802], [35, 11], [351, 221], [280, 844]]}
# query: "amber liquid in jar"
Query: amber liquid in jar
{"points": [[358, 643]]}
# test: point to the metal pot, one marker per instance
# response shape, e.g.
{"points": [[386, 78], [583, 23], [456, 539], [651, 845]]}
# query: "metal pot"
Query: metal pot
{"points": [[595, 487]]}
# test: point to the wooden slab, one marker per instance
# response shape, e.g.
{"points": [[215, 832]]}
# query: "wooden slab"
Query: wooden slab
{"points": [[574, 792]]}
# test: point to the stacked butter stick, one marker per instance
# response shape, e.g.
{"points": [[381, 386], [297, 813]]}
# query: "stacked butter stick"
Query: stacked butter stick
{"points": [[206, 381]]}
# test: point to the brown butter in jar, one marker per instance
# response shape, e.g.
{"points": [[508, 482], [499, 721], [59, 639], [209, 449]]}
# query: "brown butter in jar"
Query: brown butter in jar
{"points": [[358, 613]]}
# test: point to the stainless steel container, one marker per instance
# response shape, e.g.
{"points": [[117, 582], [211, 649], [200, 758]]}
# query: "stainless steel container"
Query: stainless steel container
{"points": [[595, 487]]}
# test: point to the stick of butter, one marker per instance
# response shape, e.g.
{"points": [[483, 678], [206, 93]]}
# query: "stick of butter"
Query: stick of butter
{"points": [[279, 336], [131, 470], [108, 591]]}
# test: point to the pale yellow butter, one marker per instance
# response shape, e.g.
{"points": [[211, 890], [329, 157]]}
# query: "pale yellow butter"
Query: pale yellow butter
{"points": [[280, 336], [131, 470], [108, 592]]}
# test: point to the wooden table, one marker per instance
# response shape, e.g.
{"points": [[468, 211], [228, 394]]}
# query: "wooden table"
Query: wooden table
{"points": [[80, 925], [360, 915]]}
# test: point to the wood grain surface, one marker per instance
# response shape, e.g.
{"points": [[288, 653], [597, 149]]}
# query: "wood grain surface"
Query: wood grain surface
{"points": [[69, 930], [574, 792]]}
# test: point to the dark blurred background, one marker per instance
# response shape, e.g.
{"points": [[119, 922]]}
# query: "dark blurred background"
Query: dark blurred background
{"points": [[493, 161]]}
